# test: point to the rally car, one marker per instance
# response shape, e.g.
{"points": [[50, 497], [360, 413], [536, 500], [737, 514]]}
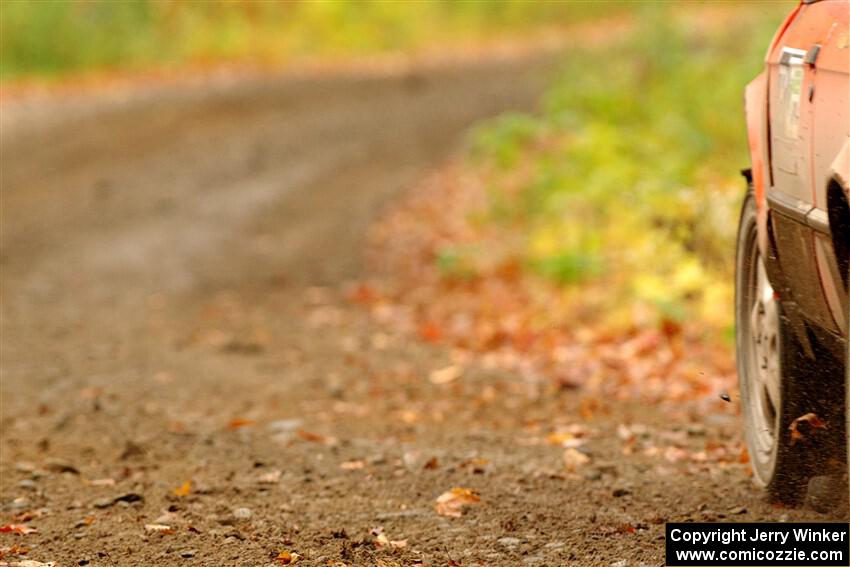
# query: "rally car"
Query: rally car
{"points": [[793, 251]]}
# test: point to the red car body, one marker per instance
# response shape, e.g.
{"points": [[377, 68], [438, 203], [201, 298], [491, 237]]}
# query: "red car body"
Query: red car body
{"points": [[798, 122], [793, 254]]}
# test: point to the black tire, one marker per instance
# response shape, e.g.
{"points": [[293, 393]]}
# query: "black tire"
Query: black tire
{"points": [[779, 463]]}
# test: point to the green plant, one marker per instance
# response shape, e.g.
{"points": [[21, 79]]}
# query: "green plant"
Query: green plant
{"points": [[631, 171]]}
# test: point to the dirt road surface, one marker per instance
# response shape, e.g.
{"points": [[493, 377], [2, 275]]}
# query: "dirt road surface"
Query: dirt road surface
{"points": [[186, 382]]}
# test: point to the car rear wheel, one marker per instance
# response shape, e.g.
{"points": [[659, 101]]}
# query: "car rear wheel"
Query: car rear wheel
{"points": [[768, 358]]}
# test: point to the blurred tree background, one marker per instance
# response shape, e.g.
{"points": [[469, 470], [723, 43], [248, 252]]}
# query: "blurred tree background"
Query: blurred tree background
{"points": [[627, 181], [59, 36], [634, 182]]}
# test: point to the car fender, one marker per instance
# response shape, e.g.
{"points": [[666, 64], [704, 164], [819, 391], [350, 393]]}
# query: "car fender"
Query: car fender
{"points": [[755, 107], [840, 167]]}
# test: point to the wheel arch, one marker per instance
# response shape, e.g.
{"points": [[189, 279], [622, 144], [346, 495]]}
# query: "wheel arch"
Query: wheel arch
{"points": [[838, 209]]}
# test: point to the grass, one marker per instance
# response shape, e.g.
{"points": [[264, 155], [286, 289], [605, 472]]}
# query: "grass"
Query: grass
{"points": [[629, 178], [49, 38]]}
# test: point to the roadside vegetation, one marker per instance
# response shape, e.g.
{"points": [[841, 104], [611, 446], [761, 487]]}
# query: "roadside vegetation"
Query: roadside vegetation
{"points": [[629, 177], [593, 241], [59, 37]]}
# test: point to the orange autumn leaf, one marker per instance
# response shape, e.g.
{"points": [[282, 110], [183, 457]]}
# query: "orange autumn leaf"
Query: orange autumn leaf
{"points": [[455, 501], [310, 436], [161, 529], [239, 422], [805, 424], [287, 558], [565, 439], [430, 332], [20, 529], [574, 459], [184, 489], [363, 294], [13, 550]]}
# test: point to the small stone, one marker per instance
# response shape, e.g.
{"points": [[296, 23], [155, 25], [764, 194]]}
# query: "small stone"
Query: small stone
{"points": [[825, 493], [377, 459], [60, 466], [20, 503], [737, 510], [592, 474], [508, 541], [27, 484], [620, 563], [242, 513], [188, 553], [103, 502], [412, 460], [620, 492], [554, 545], [606, 467], [167, 518]]}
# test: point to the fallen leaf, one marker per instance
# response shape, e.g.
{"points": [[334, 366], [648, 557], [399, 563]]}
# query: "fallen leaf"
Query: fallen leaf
{"points": [[13, 550], [159, 528], [564, 439], [574, 459], [363, 294], [239, 422], [804, 425], [454, 502], [430, 332], [309, 436], [20, 529], [383, 541], [287, 558], [431, 464], [477, 465], [446, 375], [184, 489]]}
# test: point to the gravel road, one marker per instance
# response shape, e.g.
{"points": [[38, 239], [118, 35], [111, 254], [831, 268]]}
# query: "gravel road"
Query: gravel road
{"points": [[185, 381]]}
